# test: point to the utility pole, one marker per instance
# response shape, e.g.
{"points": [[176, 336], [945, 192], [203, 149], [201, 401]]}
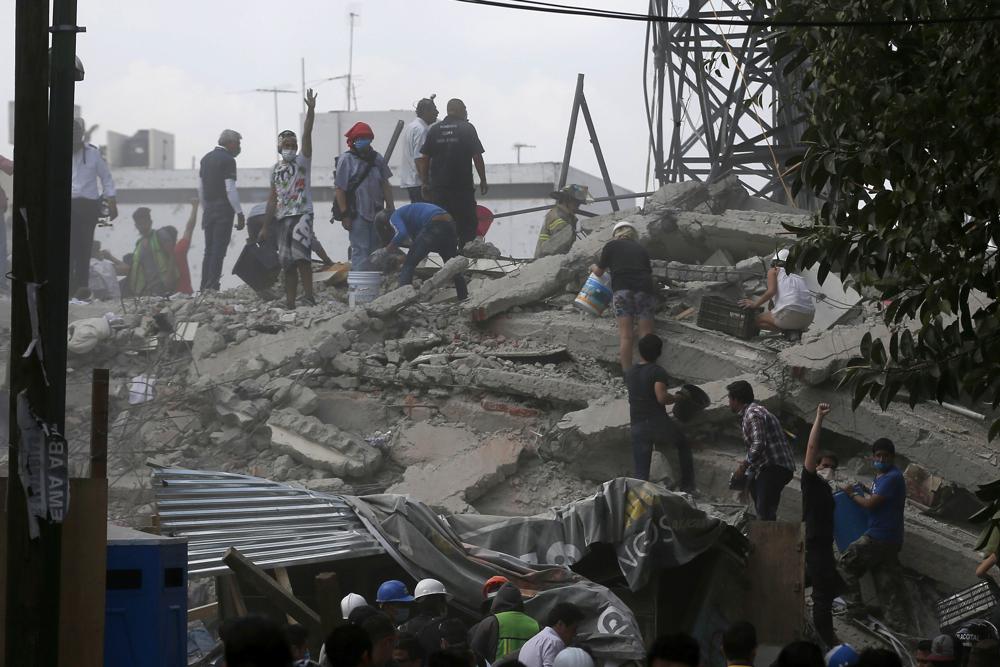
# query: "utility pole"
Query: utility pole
{"points": [[42, 184], [275, 91], [518, 146], [350, 62]]}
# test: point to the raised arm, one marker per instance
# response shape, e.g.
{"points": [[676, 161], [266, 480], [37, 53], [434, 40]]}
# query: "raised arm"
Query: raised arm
{"points": [[307, 128], [812, 449], [192, 219]]}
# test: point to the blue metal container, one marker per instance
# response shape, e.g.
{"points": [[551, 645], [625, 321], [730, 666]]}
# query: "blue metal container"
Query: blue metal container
{"points": [[850, 520], [146, 601]]}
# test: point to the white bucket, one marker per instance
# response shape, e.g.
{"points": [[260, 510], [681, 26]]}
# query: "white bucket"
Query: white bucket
{"points": [[363, 287], [595, 295]]}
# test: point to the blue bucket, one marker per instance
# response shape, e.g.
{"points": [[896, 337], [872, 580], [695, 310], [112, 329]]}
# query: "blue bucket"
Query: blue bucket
{"points": [[850, 520], [595, 296]]}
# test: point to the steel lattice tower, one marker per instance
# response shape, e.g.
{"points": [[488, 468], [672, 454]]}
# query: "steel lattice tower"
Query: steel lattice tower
{"points": [[718, 105]]}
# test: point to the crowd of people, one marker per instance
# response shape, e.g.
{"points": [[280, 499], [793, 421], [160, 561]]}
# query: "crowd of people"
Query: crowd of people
{"points": [[421, 630]]}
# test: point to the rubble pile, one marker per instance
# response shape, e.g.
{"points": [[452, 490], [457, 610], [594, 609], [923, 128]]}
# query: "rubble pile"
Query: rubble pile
{"points": [[507, 403]]}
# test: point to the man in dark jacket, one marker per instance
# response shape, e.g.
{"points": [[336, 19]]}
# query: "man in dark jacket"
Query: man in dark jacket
{"points": [[507, 629]]}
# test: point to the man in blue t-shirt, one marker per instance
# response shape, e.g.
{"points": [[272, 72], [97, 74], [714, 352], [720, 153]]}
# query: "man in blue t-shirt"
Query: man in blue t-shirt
{"points": [[426, 228], [878, 549]]}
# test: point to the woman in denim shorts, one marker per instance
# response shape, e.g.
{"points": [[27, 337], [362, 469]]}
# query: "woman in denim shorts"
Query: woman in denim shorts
{"points": [[632, 285]]}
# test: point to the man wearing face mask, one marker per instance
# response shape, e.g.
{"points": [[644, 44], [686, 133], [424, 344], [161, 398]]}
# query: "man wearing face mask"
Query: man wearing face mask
{"points": [[290, 209], [362, 189], [878, 549], [217, 192], [89, 168], [819, 473]]}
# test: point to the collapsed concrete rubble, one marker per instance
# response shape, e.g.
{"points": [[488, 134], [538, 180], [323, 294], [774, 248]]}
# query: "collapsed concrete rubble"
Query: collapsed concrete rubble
{"points": [[510, 402]]}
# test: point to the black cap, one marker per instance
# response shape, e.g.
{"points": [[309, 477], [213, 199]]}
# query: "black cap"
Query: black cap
{"points": [[884, 445], [426, 103], [741, 391]]}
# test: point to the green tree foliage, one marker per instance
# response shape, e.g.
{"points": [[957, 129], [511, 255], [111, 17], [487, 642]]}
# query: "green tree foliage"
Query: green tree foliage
{"points": [[903, 145]]}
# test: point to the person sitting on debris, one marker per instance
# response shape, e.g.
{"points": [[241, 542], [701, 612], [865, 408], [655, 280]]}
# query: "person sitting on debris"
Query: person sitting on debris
{"points": [[382, 633], [558, 231], [560, 629], [767, 467], [843, 655], [181, 252], [507, 629], [298, 637], [793, 309], [819, 473], [428, 228], [800, 654], [490, 590], [878, 549], [632, 285], [152, 272], [739, 644], [104, 271], [454, 639], [408, 651], [650, 424], [677, 650], [395, 600], [253, 641], [432, 600], [362, 187], [347, 646], [349, 603], [290, 206]]}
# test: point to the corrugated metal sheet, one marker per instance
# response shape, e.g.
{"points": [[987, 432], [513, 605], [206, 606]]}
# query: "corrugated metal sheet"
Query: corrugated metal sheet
{"points": [[272, 524]]}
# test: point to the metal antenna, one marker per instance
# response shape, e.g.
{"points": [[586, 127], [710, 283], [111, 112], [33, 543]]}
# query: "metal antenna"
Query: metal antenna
{"points": [[275, 91], [350, 63], [518, 146]]}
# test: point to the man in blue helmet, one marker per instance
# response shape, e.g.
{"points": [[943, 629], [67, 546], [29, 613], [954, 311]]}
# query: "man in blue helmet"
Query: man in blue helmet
{"points": [[394, 599]]}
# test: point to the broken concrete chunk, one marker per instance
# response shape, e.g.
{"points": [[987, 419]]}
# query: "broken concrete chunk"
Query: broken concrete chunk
{"points": [[390, 302], [318, 445], [207, 341], [444, 275], [426, 443]]}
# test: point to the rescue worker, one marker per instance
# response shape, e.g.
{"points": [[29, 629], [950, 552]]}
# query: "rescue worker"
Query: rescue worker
{"points": [[792, 309], [559, 228], [412, 141], [819, 474], [631, 284], [490, 590], [395, 600], [432, 601], [349, 603], [878, 549], [361, 187], [152, 271], [507, 629]]}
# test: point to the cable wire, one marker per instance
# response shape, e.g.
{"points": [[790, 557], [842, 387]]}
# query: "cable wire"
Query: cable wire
{"points": [[571, 10]]}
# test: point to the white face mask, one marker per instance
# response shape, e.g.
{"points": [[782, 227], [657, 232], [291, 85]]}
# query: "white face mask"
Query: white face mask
{"points": [[827, 475], [288, 154]]}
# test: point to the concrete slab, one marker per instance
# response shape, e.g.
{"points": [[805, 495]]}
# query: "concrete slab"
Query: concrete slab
{"points": [[352, 411], [427, 443], [311, 442], [453, 483]]}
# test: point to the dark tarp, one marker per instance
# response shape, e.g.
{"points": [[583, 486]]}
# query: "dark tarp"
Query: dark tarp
{"points": [[648, 526]]}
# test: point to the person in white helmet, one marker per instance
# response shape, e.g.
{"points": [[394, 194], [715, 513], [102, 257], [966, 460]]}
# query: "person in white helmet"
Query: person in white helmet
{"points": [[573, 656], [792, 308], [349, 603], [631, 284], [431, 598]]}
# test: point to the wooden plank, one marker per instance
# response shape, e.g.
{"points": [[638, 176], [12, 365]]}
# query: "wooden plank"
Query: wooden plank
{"points": [[205, 613], [84, 564], [281, 576], [251, 575], [328, 599], [231, 603], [776, 573]]}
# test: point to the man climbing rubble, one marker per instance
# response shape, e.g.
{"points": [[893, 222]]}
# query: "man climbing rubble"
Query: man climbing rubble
{"points": [[506, 629], [767, 467], [290, 207], [792, 304], [650, 424], [559, 227], [427, 228], [878, 549]]}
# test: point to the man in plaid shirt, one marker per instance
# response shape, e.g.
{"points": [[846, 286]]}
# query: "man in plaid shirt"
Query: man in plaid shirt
{"points": [[768, 464]]}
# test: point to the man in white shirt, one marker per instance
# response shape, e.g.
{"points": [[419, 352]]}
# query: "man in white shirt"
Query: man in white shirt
{"points": [[413, 139], [560, 629], [88, 168]]}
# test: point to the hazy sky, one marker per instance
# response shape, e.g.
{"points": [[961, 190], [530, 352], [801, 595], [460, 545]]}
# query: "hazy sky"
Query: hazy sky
{"points": [[184, 67]]}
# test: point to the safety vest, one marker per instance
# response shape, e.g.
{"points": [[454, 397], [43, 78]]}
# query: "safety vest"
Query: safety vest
{"points": [[514, 630], [165, 267]]}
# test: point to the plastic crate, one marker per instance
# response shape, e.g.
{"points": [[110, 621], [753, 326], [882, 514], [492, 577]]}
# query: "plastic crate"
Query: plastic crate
{"points": [[719, 314], [973, 602]]}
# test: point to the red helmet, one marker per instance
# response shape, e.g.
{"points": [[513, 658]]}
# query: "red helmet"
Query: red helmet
{"points": [[493, 585]]}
